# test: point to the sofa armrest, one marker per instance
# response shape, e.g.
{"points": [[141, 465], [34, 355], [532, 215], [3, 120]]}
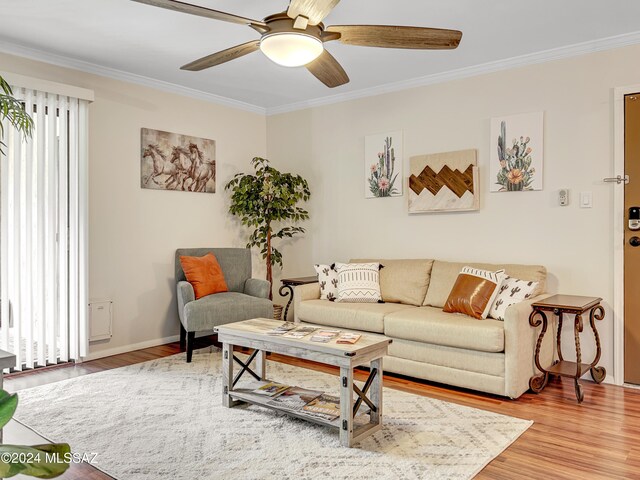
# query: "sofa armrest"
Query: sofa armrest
{"points": [[309, 291], [185, 295], [257, 287], [520, 340]]}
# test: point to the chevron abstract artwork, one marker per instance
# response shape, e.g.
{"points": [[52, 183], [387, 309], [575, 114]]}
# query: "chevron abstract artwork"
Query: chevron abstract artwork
{"points": [[444, 182]]}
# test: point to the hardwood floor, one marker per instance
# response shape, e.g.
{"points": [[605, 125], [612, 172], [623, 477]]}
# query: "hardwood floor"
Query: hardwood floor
{"points": [[599, 439]]}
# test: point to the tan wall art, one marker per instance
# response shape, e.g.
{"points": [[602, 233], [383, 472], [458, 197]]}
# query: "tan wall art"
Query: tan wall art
{"points": [[171, 161], [444, 182]]}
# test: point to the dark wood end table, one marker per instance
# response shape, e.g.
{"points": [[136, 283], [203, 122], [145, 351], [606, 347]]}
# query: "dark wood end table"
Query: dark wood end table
{"points": [[286, 290], [572, 305]]}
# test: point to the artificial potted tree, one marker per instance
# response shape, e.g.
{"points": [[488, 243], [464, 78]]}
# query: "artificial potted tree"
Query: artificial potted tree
{"points": [[12, 110], [268, 202]]}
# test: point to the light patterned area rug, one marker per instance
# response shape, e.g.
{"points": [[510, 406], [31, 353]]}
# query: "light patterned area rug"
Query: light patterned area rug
{"points": [[164, 419]]}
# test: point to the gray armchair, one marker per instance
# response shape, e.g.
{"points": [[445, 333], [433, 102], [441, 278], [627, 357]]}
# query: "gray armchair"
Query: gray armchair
{"points": [[247, 297]]}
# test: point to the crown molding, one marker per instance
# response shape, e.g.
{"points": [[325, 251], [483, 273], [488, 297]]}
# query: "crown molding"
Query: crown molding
{"points": [[67, 62], [575, 50]]}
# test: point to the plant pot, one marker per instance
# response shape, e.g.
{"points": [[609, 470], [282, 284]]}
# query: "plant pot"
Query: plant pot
{"points": [[277, 311]]}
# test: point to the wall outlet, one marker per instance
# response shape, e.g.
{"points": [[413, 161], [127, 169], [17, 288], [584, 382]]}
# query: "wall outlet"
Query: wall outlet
{"points": [[563, 197]]}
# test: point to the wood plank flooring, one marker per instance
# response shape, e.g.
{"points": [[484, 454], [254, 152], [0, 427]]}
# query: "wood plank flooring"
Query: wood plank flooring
{"points": [[599, 439]]}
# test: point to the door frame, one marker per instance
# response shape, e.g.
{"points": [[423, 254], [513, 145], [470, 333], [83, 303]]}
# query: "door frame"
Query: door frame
{"points": [[618, 231]]}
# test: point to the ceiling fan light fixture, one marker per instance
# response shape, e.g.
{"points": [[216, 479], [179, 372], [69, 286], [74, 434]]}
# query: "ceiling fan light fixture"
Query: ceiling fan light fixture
{"points": [[291, 49]]}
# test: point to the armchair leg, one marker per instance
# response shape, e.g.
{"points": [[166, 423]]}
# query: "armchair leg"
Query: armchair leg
{"points": [[183, 337], [191, 337]]}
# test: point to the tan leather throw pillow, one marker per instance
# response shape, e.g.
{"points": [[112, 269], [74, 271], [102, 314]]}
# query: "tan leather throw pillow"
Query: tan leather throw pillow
{"points": [[474, 292], [204, 274]]}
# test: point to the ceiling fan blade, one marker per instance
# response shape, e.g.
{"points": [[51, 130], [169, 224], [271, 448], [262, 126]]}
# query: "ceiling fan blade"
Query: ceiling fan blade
{"points": [[327, 69], [389, 36], [314, 10], [222, 57], [201, 11]]}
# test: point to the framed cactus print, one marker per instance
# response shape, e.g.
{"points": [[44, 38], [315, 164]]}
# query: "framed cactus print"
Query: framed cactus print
{"points": [[517, 152], [383, 165]]}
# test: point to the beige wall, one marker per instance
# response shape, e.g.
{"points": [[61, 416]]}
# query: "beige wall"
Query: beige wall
{"points": [[327, 145], [133, 233]]}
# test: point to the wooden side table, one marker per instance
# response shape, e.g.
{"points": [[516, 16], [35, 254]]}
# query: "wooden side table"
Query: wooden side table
{"points": [[286, 290], [572, 305]]}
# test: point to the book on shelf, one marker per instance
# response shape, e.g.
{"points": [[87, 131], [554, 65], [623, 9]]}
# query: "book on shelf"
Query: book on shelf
{"points": [[294, 398], [271, 389], [299, 332], [324, 336], [325, 406], [348, 338], [282, 329]]}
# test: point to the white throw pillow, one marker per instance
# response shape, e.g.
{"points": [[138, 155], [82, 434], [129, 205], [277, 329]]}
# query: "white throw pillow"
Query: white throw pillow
{"points": [[511, 291], [328, 279], [358, 282]]}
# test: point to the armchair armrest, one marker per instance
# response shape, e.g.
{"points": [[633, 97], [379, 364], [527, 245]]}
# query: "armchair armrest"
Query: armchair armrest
{"points": [[256, 287], [185, 295], [309, 291], [520, 340]]}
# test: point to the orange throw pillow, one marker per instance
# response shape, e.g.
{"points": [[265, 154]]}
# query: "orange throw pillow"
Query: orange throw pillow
{"points": [[204, 274]]}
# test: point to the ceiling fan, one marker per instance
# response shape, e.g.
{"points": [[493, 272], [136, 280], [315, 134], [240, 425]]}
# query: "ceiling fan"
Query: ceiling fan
{"points": [[296, 37]]}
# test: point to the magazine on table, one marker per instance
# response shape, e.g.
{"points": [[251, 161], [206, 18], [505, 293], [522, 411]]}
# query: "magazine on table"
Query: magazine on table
{"points": [[294, 398], [325, 406], [300, 332], [282, 329], [271, 389], [348, 338], [324, 336]]}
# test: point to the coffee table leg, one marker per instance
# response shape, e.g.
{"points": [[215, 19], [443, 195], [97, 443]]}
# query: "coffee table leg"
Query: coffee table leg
{"points": [[376, 392], [227, 374], [261, 365], [346, 406]]}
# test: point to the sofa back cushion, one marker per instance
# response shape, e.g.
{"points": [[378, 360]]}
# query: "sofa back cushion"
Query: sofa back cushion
{"points": [[444, 275], [403, 281]]}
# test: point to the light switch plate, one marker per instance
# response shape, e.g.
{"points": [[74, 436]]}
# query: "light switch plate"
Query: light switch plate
{"points": [[586, 200]]}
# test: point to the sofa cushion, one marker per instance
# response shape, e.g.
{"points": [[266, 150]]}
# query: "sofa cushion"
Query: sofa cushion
{"points": [[432, 325], [489, 363], [403, 281], [213, 310], [367, 317], [444, 275], [204, 274]]}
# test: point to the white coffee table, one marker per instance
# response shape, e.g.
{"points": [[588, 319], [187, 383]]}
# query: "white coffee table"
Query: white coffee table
{"points": [[368, 350]]}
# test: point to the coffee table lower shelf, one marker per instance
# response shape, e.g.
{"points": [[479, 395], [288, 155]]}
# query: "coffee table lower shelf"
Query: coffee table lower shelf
{"points": [[362, 427]]}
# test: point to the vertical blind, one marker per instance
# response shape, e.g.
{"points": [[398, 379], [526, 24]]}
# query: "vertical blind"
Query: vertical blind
{"points": [[43, 233]]}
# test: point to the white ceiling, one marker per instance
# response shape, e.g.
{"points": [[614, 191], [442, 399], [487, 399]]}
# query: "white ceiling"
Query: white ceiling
{"points": [[153, 42]]}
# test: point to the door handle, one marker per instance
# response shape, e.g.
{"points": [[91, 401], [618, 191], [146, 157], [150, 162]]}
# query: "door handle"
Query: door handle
{"points": [[634, 241]]}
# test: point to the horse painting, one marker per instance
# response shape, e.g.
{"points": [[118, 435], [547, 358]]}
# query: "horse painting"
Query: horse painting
{"points": [[170, 161]]}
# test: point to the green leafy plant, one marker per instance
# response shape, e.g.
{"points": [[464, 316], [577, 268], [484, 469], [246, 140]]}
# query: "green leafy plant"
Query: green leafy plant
{"points": [[40, 461], [13, 110], [266, 199]]}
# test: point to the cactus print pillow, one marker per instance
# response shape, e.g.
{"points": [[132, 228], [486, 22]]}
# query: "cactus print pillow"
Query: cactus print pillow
{"points": [[328, 280], [511, 291]]}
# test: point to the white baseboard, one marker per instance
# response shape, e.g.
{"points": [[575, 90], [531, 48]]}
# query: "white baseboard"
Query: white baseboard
{"points": [[130, 348]]}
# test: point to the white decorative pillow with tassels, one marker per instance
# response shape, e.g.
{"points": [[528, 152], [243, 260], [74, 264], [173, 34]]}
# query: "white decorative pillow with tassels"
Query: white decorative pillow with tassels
{"points": [[358, 282]]}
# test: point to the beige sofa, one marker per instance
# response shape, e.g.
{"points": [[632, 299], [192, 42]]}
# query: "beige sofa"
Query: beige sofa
{"points": [[486, 355]]}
